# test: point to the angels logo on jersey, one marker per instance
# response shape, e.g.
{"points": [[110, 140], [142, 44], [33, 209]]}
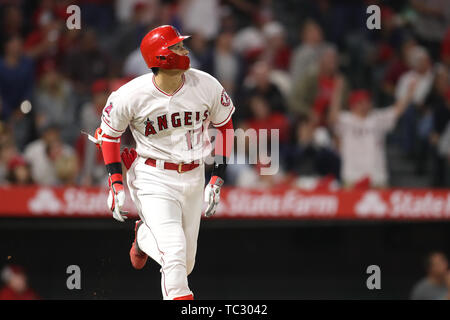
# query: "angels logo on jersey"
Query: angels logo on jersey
{"points": [[107, 111], [225, 99], [174, 120], [108, 108]]}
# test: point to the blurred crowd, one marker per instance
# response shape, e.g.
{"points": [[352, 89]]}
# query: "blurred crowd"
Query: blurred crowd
{"points": [[288, 65]]}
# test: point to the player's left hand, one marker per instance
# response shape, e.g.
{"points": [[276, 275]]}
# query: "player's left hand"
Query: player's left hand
{"points": [[212, 195]]}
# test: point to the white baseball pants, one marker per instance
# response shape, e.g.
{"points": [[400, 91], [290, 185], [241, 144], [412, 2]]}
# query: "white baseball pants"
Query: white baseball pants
{"points": [[170, 205]]}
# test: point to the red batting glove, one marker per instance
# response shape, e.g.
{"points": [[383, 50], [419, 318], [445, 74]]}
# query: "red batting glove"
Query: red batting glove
{"points": [[128, 157]]}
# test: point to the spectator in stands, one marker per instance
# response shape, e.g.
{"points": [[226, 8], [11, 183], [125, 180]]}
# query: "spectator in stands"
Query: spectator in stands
{"points": [[199, 52], [439, 103], [246, 173], [16, 77], [312, 93], [416, 123], [91, 161], [362, 132], [98, 14], [49, 10], [397, 67], [308, 52], [433, 286], [134, 65], [52, 162], [125, 9], [43, 43], [68, 42], [249, 42], [264, 118], [249, 175], [226, 65], [86, 62], [19, 171], [55, 103], [16, 284], [259, 82], [130, 33], [5, 134], [8, 151], [200, 17], [311, 154], [431, 22], [278, 53], [421, 72], [11, 24]]}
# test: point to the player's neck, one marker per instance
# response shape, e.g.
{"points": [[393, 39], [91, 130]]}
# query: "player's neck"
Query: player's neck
{"points": [[169, 81]]}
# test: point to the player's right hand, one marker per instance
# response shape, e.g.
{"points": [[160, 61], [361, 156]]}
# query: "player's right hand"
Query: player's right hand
{"points": [[116, 200]]}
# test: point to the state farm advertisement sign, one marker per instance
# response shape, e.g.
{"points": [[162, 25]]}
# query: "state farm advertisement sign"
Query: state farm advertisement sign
{"points": [[287, 203], [292, 203], [404, 204], [409, 204]]}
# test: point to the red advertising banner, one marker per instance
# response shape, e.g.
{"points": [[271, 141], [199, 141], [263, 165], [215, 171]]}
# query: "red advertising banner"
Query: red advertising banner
{"points": [[409, 204]]}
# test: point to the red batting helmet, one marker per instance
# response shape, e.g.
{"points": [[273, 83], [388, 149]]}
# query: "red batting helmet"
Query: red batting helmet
{"points": [[156, 52]]}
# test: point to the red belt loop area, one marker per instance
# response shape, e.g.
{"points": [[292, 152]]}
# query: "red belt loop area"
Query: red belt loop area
{"points": [[179, 167]]}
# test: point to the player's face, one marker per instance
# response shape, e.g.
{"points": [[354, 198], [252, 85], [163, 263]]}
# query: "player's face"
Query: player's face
{"points": [[179, 49]]}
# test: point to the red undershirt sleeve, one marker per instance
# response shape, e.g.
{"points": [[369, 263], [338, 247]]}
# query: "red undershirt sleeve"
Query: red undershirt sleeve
{"points": [[224, 140]]}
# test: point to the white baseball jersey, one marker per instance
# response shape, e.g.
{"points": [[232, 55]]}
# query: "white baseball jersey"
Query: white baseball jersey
{"points": [[172, 127]]}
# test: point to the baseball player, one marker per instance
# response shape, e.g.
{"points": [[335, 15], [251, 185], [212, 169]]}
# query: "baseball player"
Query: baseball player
{"points": [[168, 112]]}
